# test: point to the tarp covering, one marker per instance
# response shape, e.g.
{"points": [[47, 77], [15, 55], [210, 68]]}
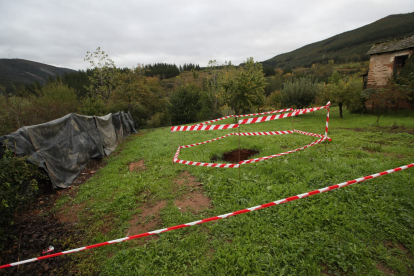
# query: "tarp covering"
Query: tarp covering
{"points": [[63, 146]]}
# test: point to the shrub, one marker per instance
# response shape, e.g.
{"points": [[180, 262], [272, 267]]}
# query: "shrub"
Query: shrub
{"points": [[18, 186], [299, 92], [185, 104]]}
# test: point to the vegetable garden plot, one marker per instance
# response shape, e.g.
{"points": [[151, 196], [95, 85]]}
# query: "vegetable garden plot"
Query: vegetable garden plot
{"points": [[204, 126]]}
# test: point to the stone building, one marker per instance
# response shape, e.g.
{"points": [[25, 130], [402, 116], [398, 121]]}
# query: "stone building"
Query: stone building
{"points": [[386, 58]]}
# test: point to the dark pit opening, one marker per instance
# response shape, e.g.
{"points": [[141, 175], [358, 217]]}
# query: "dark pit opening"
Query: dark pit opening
{"points": [[233, 156]]}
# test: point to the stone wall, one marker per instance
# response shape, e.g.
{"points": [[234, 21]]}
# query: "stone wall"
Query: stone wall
{"points": [[381, 67]]}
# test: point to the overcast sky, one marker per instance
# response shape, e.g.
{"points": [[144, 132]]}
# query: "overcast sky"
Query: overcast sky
{"points": [[60, 33]]}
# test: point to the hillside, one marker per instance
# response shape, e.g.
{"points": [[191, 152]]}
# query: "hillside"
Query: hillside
{"points": [[348, 46], [20, 71]]}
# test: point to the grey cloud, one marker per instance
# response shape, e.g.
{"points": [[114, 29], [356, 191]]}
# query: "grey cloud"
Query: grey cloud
{"points": [[131, 32]]}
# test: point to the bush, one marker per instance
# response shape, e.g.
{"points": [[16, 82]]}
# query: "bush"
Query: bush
{"points": [[18, 186], [300, 93], [185, 104]]}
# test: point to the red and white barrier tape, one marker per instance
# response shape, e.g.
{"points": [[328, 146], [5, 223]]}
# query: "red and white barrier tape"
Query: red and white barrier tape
{"points": [[280, 154], [246, 115], [327, 120], [201, 164], [202, 127], [265, 133], [270, 204], [230, 165], [310, 134], [177, 153], [205, 142], [264, 113], [281, 116], [216, 120]]}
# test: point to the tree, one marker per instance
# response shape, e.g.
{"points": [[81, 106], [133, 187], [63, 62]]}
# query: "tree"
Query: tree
{"points": [[103, 79], [212, 83], [299, 92], [185, 104], [244, 87], [343, 91], [141, 96]]}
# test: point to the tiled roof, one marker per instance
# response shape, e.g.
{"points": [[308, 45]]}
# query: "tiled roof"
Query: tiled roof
{"points": [[392, 45]]}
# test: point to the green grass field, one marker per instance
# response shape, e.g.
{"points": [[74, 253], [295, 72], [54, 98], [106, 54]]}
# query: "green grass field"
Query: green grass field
{"points": [[362, 229]]}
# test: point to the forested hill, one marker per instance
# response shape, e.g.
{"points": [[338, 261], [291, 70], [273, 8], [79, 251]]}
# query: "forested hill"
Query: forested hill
{"points": [[20, 71], [349, 46]]}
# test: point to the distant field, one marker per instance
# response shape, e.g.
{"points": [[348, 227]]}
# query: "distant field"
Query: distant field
{"points": [[363, 229]]}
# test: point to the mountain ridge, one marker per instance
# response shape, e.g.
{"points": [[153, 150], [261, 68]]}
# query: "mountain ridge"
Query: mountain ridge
{"points": [[347, 46], [16, 72]]}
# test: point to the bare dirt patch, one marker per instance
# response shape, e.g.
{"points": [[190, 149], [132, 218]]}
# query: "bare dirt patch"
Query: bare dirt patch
{"points": [[147, 220], [381, 267], [192, 197], [235, 156], [137, 166]]}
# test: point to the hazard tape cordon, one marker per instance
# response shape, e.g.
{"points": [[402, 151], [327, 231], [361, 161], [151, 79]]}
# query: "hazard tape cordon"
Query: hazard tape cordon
{"points": [[264, 113], [246, 115], [265, 133], [283, 153], [216, 120], [229, 165], [247, 210], [281, 116], [202, 127]]}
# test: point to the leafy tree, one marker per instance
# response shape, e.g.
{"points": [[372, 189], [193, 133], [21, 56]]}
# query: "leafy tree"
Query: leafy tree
{"points": [[343, 92], [212, 84], [141, 96], [300, 92], [104, 77], [185, 104], [269, 71], [161, 70], [274, 100], [243, 88], [195, 73]]}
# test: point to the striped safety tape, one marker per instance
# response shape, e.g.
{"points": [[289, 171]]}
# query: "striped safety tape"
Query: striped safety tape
{"points": [[281, 116], [264, 113], [202, 127], [229, 165], [216, 120], [247, 210], [201, 164], [280, 154], [265, 133], [327, 120], [205, 142], [310, 134]]}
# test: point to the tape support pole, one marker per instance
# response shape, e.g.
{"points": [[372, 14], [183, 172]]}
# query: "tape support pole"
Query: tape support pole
{"points": [[270, 204]]}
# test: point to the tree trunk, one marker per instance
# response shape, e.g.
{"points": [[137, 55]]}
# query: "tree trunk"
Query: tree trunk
{"points": [[340, 110]]}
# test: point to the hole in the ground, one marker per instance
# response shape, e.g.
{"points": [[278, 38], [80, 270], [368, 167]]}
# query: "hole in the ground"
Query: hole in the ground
{"points": [[233, 156]]}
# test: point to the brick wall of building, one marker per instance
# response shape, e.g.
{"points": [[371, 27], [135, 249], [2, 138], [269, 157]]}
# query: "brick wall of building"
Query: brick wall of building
{"points": [[381, 67]]}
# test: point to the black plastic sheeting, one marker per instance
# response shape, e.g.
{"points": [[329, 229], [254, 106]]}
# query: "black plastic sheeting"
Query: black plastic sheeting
{"points": [[63, 147]]}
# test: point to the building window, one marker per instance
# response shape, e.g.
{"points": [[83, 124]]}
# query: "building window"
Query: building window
{"points": [[399, 62]]}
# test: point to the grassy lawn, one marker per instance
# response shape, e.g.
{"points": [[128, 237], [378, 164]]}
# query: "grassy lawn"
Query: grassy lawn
{"points": [[363, 229]]}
